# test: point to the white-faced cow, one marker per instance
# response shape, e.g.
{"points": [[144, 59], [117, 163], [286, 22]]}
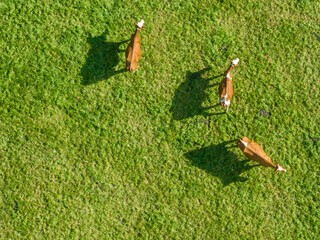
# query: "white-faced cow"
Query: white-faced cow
{"points": [[254, 151]]}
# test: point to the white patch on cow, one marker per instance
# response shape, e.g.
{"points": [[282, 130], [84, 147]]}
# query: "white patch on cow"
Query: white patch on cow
{"points": [[235, 62], [140, 24], [224, 99], [228, 76], [244, 143]]}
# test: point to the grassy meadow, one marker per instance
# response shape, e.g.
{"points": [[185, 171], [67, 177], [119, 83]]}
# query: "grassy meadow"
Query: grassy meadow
{"points": [[90, 151]]}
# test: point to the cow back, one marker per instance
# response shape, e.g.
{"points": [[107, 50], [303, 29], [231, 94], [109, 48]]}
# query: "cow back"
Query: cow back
{"points": [[254, 152], [133, 53]]}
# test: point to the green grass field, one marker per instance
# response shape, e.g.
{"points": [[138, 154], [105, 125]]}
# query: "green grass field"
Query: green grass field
{"points": [[89, 151]]}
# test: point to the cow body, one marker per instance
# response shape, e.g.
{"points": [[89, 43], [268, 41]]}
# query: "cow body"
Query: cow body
{"points": [[133, 51], [254, 151], [225, 87], [226, 90]]}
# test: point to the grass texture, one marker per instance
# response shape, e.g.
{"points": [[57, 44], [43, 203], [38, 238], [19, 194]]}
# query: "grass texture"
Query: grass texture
{"points": [[89, 151]]}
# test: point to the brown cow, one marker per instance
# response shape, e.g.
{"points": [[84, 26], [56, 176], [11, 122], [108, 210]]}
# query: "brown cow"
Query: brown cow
{"points": [[254, 151], [133, 51], [225, 87]]}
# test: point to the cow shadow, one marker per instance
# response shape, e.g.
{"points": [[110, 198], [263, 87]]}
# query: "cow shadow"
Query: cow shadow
{"points": [[190, 95], [102, 59], [220, 162]]}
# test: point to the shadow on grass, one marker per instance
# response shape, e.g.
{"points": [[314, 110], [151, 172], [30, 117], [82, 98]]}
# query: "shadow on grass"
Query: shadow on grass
{"points": [[190, 95], [220, 162], [102, 59]]}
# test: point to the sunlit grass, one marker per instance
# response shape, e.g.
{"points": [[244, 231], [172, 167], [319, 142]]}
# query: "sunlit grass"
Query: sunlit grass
{"points": [[90, 151]]}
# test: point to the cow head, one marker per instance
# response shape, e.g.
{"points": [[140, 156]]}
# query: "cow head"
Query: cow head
{"points": [[139, 25], [278, 168], [234, 62]]}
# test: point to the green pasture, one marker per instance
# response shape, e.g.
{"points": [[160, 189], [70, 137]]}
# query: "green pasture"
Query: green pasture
{"points": [[90, 151]]}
